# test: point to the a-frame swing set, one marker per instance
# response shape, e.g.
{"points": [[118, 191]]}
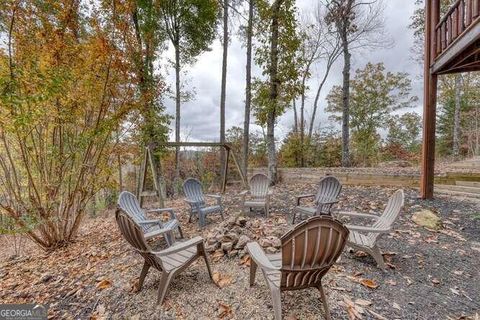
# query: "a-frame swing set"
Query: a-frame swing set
{"points": [[158, 184]]}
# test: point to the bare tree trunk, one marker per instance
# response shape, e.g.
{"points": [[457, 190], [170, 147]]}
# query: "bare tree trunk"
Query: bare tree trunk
{"points": [[345, 99], [456, 121], [274, 82], [119, 161], [248, 89], [295, 116], [223, 86], [177, 108], [302, 119], [331, 59]]}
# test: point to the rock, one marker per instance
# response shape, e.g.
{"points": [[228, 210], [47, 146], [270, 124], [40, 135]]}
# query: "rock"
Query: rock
{"points": [[211, 241], [242, 241], [270, 241], [230, 237], [427, 219], [232, 253], [271, 250], [264, 242], [241, 221], [212, 247], [227, 246]]}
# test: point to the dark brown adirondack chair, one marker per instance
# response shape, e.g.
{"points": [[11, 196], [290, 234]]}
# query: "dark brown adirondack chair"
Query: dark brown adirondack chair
{"points": [[169, 262], [308, 252]]}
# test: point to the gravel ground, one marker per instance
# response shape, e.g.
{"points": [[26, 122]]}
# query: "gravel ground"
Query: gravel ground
{"points": [[432, 275]]}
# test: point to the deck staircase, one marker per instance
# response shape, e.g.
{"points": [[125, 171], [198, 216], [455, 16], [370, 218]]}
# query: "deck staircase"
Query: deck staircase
{"points": [[463, 188]]}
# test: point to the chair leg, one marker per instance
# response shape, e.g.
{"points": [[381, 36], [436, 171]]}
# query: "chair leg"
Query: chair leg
{"points": [[143, 274], [277, 303], [180, 232], [293, 219], [324, 301], [168, 238], [253, 271], [377, 255], [201, 219], [163, 287], [190, 217]]}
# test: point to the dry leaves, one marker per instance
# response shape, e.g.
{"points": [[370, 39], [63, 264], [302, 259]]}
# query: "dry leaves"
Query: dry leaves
{"points": [[104, 284], [224, 310], [245, 261], [221, 280], [369, 283]]}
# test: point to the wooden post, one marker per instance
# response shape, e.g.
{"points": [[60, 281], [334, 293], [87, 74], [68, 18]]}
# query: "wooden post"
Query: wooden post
{"points": [[225, 168], [432, 16]]}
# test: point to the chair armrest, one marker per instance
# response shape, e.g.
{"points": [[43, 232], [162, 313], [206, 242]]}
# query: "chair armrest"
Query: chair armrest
{"points": [[327, 201], [179, 246], [258, 256], [216, 197], [356, 214], [367, 229], [304, 196], [169, 210], [156, 221]]}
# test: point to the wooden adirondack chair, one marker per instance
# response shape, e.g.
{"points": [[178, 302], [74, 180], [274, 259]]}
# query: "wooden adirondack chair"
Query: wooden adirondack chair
{"points": [[308, 252], [151, 228], [196, 199], [259, 193], [365, 238], [169, 262], [327, 194]]}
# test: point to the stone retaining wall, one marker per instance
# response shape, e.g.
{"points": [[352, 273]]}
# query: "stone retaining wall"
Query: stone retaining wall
{"points": [[313, 175]]}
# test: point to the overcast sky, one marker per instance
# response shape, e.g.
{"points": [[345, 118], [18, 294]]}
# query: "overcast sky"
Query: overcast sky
{"points": [[200, 117]]}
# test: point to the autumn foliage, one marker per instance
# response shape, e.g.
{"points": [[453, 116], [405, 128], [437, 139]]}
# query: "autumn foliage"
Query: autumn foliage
{"points": [[66, 84]]}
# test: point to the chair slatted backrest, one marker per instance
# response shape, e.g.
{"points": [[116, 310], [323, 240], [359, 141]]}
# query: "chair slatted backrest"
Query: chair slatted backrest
{"points": [[328, 188], [134, 236], [130, 205], [259, 186], [193, 190], [310, 249], [390, 213]]}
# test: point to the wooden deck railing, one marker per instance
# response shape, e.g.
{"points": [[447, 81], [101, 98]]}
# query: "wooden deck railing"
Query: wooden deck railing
{"points": [[461, 16]]}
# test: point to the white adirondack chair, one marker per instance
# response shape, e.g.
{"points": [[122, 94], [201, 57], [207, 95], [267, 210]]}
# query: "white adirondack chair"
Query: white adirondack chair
{"points": [[365, 238]]}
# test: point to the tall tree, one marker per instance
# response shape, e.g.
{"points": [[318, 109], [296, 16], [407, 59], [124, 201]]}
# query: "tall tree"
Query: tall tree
{"points": [[276, 55], [144, 46], [359, 25], [190, 26], [375, 94], [248, 88]]}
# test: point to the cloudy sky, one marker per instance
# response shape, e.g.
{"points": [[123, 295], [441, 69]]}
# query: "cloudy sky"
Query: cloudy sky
{"points": [[200, 117]]}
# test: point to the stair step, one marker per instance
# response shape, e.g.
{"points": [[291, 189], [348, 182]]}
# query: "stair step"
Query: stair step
{"points": [[475, 184], [459, 194], [451, 187]]}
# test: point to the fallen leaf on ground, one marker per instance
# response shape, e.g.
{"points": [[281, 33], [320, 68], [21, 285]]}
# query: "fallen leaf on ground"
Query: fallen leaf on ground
{"points": [[363, 303], [369, 283], [104, 284], [217, 255], [221, 280], [435, 281], [224, 310], [245, 261]]}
